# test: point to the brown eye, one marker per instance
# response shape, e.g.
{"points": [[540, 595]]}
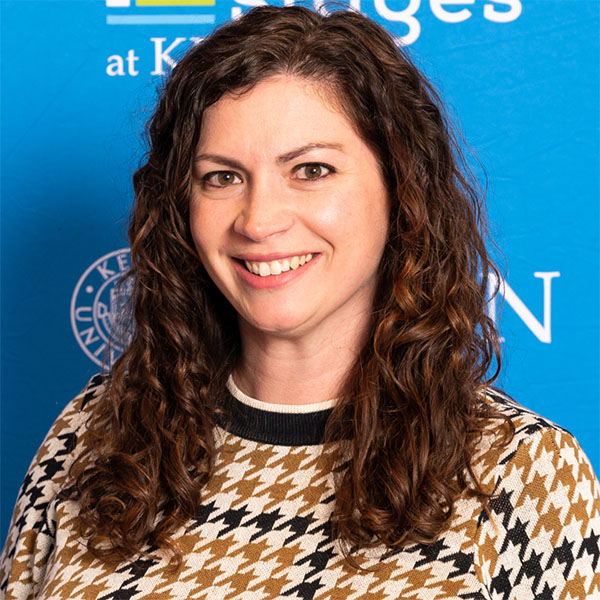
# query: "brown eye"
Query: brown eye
{"points": [[313, 171], [221, 179], [225, 178]]}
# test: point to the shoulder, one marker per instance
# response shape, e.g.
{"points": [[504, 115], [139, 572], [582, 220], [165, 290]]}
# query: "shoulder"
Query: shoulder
{"points": [[540, 452], [544, 508], [67, 437], [78, 411], [31, 533], [529, 429], [537, 446], [74, 418], [526, 421], [65, 441]]}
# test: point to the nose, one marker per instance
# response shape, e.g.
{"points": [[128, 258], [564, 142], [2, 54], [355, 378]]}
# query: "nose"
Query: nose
{"points": [[265, 212]]}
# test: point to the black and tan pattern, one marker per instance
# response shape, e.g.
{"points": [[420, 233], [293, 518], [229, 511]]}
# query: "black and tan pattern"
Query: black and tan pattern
{"points": [[263, 531]]}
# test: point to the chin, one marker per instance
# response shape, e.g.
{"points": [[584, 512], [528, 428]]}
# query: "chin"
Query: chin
{"points": [[277, 324]]}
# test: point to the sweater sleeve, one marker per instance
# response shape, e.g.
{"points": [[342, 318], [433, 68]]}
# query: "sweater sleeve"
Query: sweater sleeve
{"points": [[31, 534], [542, 541]]}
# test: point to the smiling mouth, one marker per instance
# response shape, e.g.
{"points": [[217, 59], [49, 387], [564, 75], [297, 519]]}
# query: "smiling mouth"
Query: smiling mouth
{"points": [[276, 267]]}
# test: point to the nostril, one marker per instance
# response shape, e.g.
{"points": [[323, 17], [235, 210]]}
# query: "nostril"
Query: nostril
{"points": [[258, 227]]}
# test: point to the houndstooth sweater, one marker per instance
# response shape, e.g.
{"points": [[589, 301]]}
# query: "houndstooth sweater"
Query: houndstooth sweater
{"points": [[263, 532]]}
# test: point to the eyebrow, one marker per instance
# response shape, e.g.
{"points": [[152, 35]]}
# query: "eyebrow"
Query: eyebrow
{"points": [[282, 159], [304, 149], [222, 160]]}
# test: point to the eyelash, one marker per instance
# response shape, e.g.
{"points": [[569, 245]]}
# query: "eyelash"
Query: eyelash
{"points": [[330, 171], [206, 178]]}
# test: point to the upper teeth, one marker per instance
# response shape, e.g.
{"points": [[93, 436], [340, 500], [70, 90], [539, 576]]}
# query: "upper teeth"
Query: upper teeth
{"points": [[275, 267]]}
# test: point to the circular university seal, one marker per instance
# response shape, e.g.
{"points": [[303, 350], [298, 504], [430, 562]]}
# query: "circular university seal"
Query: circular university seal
{"points": [[96, 305]]}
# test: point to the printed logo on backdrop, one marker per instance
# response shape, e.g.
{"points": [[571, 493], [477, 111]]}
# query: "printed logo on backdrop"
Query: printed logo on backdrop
{"points": [[397, 15], [97, 305]]}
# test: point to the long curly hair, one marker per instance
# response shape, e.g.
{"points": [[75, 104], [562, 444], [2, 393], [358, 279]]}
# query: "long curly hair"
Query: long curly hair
{"points": [[410, 409]]}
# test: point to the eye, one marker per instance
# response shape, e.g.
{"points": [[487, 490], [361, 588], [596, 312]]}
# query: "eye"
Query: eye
{"points": [[221, 179], [313, 171]]}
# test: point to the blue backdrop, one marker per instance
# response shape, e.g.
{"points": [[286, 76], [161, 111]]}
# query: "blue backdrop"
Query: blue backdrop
{"points": [[79, 76]]}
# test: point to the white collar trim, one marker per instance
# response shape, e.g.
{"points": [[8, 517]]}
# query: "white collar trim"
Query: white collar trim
{"points": [[279, 408]]}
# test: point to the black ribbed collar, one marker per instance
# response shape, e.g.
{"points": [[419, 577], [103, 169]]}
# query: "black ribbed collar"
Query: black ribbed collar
{"points": [[269, 427]]}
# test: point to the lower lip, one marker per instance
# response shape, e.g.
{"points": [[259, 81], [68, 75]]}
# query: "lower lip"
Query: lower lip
{"points": [[273, 281]]}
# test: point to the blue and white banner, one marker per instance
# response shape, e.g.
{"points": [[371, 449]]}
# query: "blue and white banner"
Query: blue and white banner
{"points": [[78, 81]]}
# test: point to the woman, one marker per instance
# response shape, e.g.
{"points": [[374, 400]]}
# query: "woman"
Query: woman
{"points": [[303, 410]]}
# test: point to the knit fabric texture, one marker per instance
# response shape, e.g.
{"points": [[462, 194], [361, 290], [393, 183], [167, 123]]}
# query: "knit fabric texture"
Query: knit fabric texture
{"points": [[263, 528]]}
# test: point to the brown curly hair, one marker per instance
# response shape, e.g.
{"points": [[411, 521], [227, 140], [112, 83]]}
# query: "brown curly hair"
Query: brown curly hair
{"points": [[410, 408]]}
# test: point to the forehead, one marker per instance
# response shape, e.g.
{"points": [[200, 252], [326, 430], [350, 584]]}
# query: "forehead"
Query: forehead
{"points": [[284, 107]]}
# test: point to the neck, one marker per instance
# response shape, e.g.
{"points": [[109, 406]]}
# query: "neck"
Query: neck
{"points": [[303, 369]]}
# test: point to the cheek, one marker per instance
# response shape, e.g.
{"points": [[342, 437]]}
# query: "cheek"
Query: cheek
{"points": [[196, 223], [202, 232], [336, 210], [357, 218]]}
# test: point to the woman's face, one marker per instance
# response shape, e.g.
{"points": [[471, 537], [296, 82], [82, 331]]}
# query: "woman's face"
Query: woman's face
{"points": [[289, 211]]}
